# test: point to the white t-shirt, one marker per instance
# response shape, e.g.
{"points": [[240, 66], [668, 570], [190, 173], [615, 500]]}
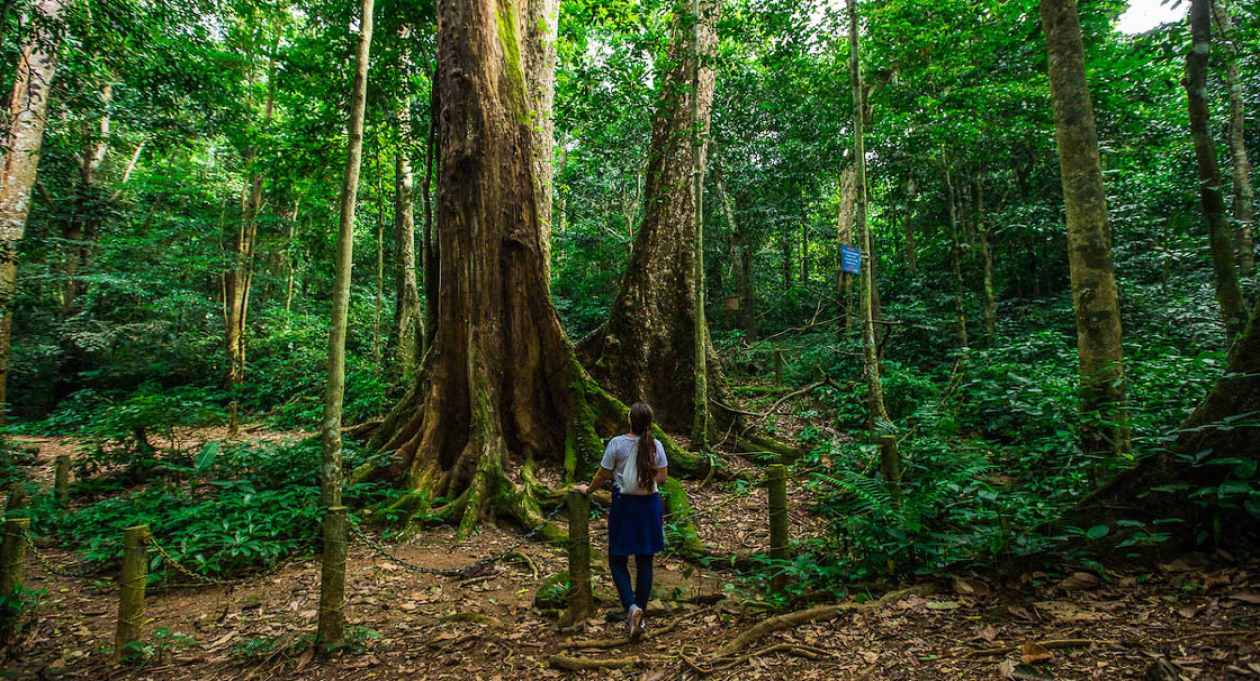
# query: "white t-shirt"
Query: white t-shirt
{"points": [[620, 455]]}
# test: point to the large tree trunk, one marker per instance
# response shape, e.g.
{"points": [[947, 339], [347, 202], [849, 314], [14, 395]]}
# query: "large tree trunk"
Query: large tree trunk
{"points": [[501, 390], [646, 349], [1095, 298], [1228, 293], [28, 106], [541, 23], [408, 317], [1244, 193]]}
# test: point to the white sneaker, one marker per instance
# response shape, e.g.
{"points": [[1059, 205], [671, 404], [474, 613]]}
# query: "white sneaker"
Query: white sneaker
{"points": [[634, 622]]}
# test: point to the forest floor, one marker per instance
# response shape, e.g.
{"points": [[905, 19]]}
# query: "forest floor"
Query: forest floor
{"points": [[1198, 613]]}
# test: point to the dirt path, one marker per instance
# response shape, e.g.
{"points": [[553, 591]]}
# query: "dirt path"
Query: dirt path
{"points": [[1204, 618]]}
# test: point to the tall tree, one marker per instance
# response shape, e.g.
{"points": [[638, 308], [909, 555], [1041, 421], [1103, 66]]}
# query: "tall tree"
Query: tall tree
{"points": [[700, 329], [28, 108], [646, 349], [502, 391], [877, 412], [1228, 293], [239, 278], [1095, 298], [1244, 192], [408, 317]]}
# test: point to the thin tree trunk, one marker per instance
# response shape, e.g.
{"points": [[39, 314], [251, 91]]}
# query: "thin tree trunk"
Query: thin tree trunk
{"points": [[408, 318], [960, 304], [240, 277], [1228, 293], [380, 261], [986, 260], [290, 263], [330, 430], [1244, 192], [743, 263], [907, 226], [877, 413], [28, 106], [844, 236], [1104, 422], [700, 342], [83, 227]]}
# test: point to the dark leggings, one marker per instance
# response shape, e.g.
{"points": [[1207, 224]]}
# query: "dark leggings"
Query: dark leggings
{"points": [[620, 566]]}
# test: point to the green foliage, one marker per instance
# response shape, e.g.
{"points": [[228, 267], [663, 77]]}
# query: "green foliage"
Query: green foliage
{"points": [[14, 605]]}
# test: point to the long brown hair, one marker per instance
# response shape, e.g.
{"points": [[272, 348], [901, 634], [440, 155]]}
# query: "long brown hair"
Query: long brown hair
{"points": [[641, 424]]}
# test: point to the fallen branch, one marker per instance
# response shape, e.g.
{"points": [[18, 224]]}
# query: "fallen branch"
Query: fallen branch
{"points": [[529, 562], [792, 620]]}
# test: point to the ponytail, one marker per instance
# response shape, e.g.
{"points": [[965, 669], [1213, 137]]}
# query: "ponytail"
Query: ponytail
{"points": [[645, 454]]}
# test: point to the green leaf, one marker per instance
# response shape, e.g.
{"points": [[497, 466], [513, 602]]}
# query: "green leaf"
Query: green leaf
{"points": [[207, 455], [1097, 531]]}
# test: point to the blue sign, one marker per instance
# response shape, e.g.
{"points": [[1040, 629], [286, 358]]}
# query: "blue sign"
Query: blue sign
{"points": [[850, 259]]}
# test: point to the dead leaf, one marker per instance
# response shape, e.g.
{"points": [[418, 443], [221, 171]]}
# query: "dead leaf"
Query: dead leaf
{"points": [[988, 633], [1079, 581], [1247, 597], [1033, 653], [1007, 669], [1188, 611], [305, 658]]}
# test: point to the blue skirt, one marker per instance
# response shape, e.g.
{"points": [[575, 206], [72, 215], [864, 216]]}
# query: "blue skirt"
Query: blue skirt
{"points": [[635, 524]]}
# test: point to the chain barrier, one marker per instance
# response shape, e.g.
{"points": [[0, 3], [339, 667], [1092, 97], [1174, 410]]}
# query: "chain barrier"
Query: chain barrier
{"points": [[78, 572], [476, 569], [215, 581]]}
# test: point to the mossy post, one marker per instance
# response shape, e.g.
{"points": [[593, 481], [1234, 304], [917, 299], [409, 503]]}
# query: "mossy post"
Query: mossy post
{"points": [[776, 476], [17, 498], [135, 573], [234, 420], [581, 601], [61, 484], [332, 579], [13, 554]]}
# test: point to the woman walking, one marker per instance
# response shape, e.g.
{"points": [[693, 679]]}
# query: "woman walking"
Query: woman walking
{"points": [[636, 464]]}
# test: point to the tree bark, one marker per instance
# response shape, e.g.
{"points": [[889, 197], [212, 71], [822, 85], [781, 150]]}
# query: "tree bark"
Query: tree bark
{"points": [[83, 227], [330, 430], [1244, 192], [700, 336], [429, 250], [500, 391], [877, 413], [541, 24], [1228, 292], [646, 351], [1095, 298], [844, 236], [408, 317], [28, 107], [907, 226]]}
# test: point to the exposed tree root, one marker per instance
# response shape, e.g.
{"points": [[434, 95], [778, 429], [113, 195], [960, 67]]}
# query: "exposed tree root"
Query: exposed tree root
{"points": [[708, 667], [792, 620], [576, 664], [647, 636]]}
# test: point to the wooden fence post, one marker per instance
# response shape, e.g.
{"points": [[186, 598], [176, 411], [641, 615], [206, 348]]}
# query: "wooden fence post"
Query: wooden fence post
{"points": [[776, 475], [13, 554], [61, 483], [135, 573], [17, 498], [581, 601], [332, 578], [234, 420]]}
